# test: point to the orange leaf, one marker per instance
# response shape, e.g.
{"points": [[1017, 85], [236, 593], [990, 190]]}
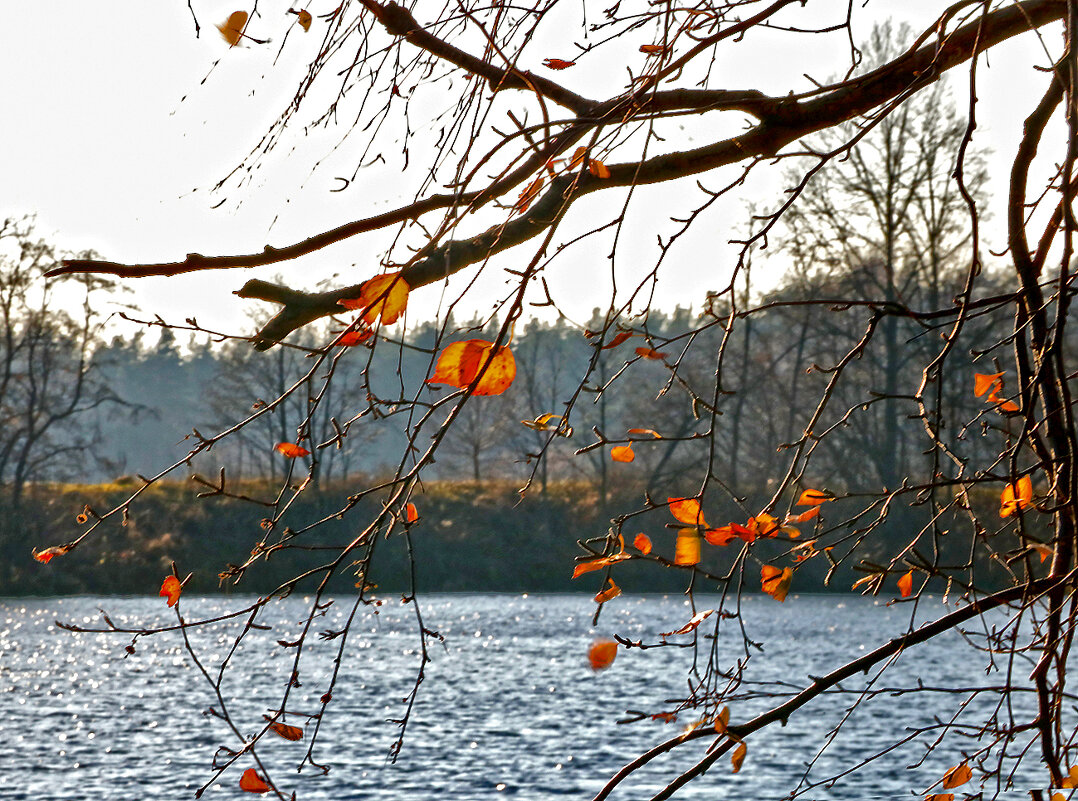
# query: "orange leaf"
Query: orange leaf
{"points": [[620, 337], [957, 776], [291, 450], [529, 193], [650, 353], [687, 547], [642, 543], [598, 169], [602, 653], [384, 296], [613, 591], [652, 49], [687, 510], [557, 63], [1016, 496], [905, 584], [45, 555], [696, 620], [983, 383], [805, 516], [1044, 550], [1008, 406], [354, 336], [665, 717], [722, 720], [763, 525], [292, 733], [776, 581], [304, 20], [411, 514], [942, 797], [622, 453], [598, 564], [251, 782], [811, 497], [737, 759], [723, 535], [651, 432], [232, 28], [460, 363], [171, 589]]}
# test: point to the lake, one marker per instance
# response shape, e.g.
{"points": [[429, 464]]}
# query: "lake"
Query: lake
{"points": [[509, 706]]}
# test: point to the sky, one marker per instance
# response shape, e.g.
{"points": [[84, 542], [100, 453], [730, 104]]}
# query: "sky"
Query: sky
{"points": [[119, 122]]}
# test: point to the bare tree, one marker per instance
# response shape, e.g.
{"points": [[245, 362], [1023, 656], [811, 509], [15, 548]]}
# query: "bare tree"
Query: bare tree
{"points": [[510, 167]]}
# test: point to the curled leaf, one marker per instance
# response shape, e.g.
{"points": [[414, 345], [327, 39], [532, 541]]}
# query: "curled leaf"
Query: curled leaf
{"points": [[459, 364], [687, 547], [602, 653], [696, 620], [611, 592], [251, 782], [384, 296], [983, 383], [652, 49], [1016, 496], [304, 19], [598, 564], [620, 337], [291, 450], [598, 169], [642, 543], [291, 733], [557, 63], [171, 589], [550, 422], [687, 511], [776, 581], [812, 497], [722, 720], [232, 28], [46, 554], [650, 353], [354, 336], [529, 193], [737, 759], [905, 584], [622, 453], [649, 432]]}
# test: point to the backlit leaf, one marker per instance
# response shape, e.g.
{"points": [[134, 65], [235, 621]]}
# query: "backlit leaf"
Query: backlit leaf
{"points": [[460, 363], [696, 620], [1044, 551], [598, 564], [905, 584], [354, 336], [620, 337], [292, 733], [957, 776], [1016, 496], [650, 353], [722, 720], [776, 581], [811, 497], [642, 543], [723, 535], [687, 547], [411, 514], [304, 19], [1071, 780], [613, 591], [649, 432], [46, 554], [384, 296], [622, 453], [805, 516], [687, 511], [550, 422], [601, 654], [171, 589], [737, 759], [232, 28], [291, 450], [251, 782], [983, 383], [557, 63]]}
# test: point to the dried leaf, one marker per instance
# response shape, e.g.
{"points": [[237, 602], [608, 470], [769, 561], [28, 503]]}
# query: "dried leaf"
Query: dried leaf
{"points": [[652, 49], [776, 581], [811, 497], [650, 353], [622, 453], [292, 733], [687, 547], [696, 620], [598, 564], [384, 296], [304, 19], [642, 543], [557, 63], [650, 432], [943, 797], [805, 516], [598, 169], [737, 759], [232, 28], [550, 422], [602, 653], [905, 584], [957, 776], [723, 535], [722, 720], [687, 510], [613, 591], [291, 450], [171, 589], [1016, 496], [460, 363], [1044, 551], [45, 555], [620, 337], [354, 336], [983, 383], [529, 193], [251, 782]]}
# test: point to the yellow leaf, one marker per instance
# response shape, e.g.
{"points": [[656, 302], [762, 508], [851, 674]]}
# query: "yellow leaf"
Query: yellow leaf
{"points": [[622, 453], [722, 720], [812, 497], [384, 296], [687, 510], [232, 28], [776, 581], [642, 543], [687, 548], [1016, 496], [459, 364]]}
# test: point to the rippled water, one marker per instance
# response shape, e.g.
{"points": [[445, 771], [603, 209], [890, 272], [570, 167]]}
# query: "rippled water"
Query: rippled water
{"points": [[509, 705]]}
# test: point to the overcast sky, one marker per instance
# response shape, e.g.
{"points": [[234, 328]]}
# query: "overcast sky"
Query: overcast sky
{"points": [[115, 136]]}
